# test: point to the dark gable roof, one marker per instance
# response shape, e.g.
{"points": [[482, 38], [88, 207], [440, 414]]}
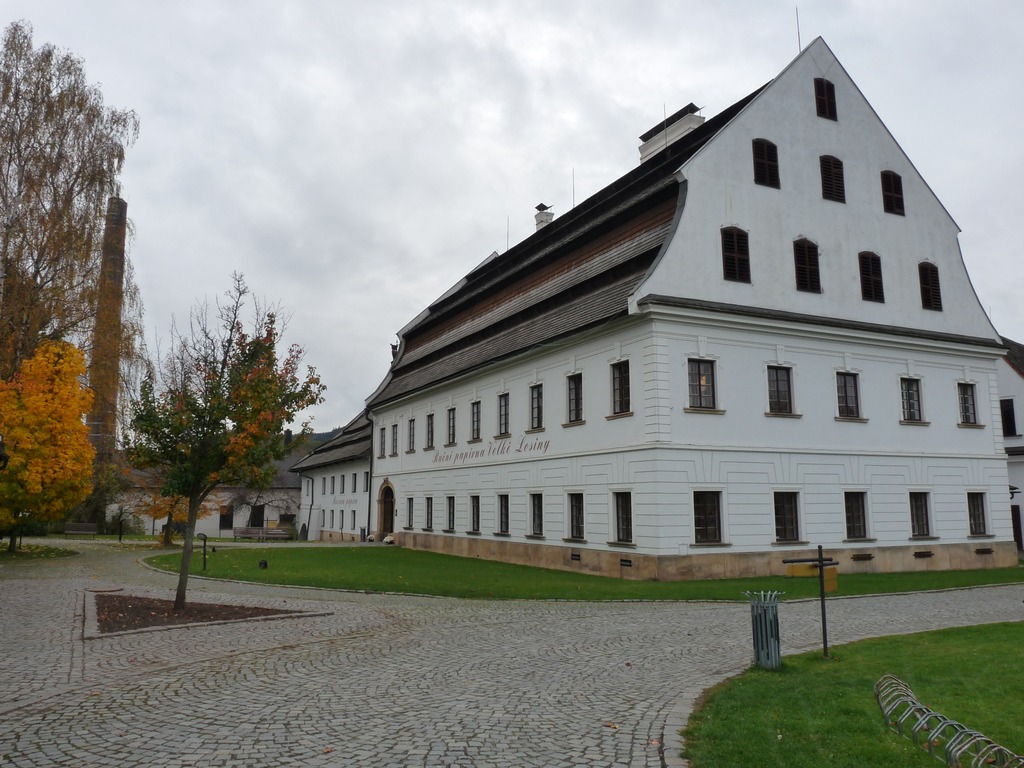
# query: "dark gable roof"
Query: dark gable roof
{"points": [[573, 274], [1015, 354], [353, 442]]}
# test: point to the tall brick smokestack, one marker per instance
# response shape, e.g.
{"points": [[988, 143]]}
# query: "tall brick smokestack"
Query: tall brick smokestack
{"points": [[105, 364]]}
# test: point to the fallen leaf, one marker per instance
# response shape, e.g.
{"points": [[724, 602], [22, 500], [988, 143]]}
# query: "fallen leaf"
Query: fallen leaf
{"points": [[613, 726]]}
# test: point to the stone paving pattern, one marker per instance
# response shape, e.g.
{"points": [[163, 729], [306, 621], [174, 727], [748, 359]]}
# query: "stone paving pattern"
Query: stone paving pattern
{"points": [[387, 680]]}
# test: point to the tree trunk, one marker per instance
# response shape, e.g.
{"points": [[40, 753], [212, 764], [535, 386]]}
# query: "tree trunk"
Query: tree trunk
{"points": [[194, 502], [13, 545]]}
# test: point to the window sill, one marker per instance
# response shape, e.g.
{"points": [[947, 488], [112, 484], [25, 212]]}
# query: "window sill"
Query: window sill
{"points": [[392, 455], [533, 430], [909, 423], [427, 530], [447, 530], [621, 544], [449, 445], [713, 411], [474, 440], [472, 533], [411, 450], [791, 543], [503, 436], [579, 423], [623, 415], [575, 541], [927, 537], [502, 534], [710, 544], [407, 528], [981, 536], [859, 541], [852, 419], [773, 415], [535, 536], [970, 426], [428, 448]]}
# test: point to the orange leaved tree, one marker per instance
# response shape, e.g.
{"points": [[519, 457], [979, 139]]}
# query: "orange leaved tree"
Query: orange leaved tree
{"points": [[215, 409], [41, 418]]}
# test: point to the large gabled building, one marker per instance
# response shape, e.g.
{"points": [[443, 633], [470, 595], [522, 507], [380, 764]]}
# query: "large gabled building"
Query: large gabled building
{"points": [[761, 339]]}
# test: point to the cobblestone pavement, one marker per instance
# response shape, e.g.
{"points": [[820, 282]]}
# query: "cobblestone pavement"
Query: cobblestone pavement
{"points": [[386, 680]]}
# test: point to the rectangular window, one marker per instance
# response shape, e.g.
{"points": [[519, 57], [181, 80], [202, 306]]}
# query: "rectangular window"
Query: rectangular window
{"points": [[1006, 410], [323, 485], [382, 450], [856, 515], [620, 387], [409, 512], [968, 405], [707, 517], [451, 514], [735, 255], [474, 514], [503, 425], [451, 426], [366, 482], [833, 184], [892, 193], [574, 386], [766, 163], [976, 513], [341, 484], [394, 439], [332, 519], [702, 383], [502, 513], [576, 516], [411, 443], [805, 264], [623, 517], [332, 484], [825, 98], [871, 288], [910, 392], [429, 522], [787, 527], [430, 431], [780, 389], [931, 289], [537, 406], [227, 517], [474, 421], [919, 524], [848, 397], [354, 476], [353, 518], [537, 514]]}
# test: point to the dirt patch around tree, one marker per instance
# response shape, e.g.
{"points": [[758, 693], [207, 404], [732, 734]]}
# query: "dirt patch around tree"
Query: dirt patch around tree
{"points": [[125, 613]]}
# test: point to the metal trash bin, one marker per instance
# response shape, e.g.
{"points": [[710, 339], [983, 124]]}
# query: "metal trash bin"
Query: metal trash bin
{"points": [[362, 534], [764, 620]]}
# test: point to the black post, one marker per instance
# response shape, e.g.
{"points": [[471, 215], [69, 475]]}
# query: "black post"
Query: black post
{"points": [[821, 586], [120, 529], [202, 537]]}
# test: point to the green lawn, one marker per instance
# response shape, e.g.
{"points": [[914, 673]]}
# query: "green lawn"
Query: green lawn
{"points": [[815, 712], [394, 569], [33, 552]]}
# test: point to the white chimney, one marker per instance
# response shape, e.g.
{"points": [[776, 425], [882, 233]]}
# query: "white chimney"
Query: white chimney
{"points": [[670, 130], [544, 216]]}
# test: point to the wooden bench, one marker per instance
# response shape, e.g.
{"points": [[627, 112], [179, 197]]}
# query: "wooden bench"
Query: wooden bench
{"points": [[79, 529], [262, 533]]}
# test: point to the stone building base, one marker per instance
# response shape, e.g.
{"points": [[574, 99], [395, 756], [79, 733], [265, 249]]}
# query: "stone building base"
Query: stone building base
{"points": [[629, 564]]}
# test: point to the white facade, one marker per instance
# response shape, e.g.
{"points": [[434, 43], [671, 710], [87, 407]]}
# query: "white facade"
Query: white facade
{"points": [[334, 503], [911, 474]]}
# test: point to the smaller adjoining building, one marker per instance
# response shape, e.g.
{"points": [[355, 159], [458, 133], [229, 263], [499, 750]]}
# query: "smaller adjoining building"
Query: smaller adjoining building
{"points": [[1011, 394], [335, 486]]}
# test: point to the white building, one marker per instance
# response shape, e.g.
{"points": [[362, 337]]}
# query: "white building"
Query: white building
{"points": [[1011, 400], [761, 339], [335, 486]]}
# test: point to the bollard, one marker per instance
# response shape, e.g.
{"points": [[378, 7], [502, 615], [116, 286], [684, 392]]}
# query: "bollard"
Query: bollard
{"points": [[764, 619]]}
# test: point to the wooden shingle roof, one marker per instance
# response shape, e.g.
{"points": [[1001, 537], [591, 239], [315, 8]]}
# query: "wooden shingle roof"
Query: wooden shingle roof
{"points": [[575, 273]]}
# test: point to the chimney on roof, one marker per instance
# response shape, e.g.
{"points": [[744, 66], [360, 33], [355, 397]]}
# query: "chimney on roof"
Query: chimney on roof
{"points": [[544, 216], [287, 438], [669, 130]]}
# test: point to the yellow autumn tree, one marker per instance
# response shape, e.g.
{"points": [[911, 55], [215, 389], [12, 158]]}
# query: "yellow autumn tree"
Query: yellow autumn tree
{"points": [[42, 409]]}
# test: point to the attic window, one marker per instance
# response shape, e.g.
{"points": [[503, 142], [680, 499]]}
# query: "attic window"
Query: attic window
{"points": [[892, 193], [735, 255], [833, 186], [825, 98], [871, 288], [805, 259], [931, 295], [766, 163]]}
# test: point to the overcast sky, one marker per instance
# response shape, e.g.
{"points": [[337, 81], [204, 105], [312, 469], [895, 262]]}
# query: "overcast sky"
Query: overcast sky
{"points": [[355, 159]]}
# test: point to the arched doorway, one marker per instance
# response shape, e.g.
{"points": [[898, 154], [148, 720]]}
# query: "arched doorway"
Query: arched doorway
{"points": [[386, 510]]}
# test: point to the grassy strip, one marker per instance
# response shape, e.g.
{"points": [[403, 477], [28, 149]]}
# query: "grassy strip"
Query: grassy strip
{"points": [[393, 569], [34, 552], [818, 712]]}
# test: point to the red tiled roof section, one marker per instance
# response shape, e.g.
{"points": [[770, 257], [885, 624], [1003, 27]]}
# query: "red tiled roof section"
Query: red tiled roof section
{"points": [[613, 248]]}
